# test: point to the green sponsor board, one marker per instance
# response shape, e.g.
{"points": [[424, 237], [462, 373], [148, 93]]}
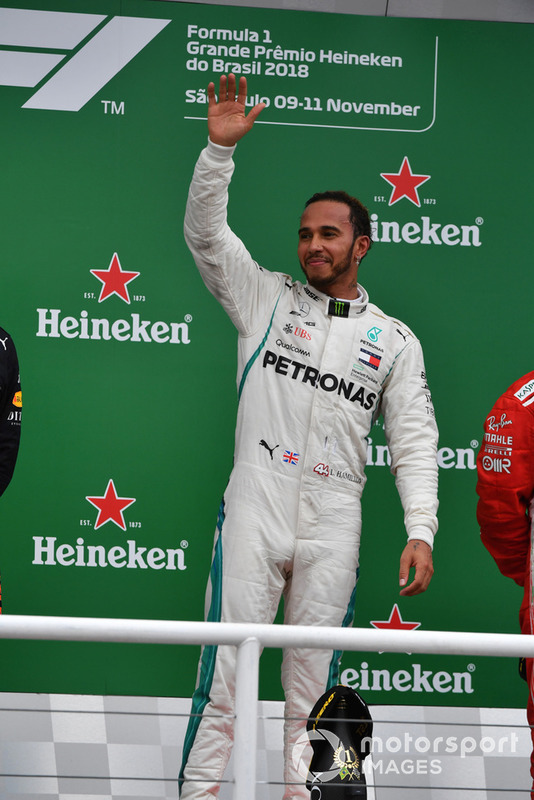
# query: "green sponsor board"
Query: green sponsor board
{"points": [[128, 364]]}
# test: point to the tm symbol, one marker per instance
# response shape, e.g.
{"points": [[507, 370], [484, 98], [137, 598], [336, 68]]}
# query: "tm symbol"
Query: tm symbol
{"points": [[111, 107]]}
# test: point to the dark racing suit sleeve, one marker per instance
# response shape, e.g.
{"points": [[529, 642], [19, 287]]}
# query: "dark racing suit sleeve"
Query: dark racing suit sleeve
{"points": [[505, 467], [10, 409]]}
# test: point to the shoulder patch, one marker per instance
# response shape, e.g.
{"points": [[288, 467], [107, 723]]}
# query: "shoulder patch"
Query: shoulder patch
{"points": [[404, 335], [525, 394]]}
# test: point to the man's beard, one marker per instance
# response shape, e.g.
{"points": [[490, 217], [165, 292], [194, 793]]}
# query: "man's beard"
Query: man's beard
{"points": [[337, 271]]}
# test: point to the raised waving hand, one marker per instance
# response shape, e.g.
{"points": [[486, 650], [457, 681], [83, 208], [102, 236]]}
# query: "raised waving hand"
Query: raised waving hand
{"points": [[227, 118]]}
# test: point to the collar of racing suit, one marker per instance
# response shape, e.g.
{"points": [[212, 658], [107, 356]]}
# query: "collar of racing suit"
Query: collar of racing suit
{"points": [[338, 308]]}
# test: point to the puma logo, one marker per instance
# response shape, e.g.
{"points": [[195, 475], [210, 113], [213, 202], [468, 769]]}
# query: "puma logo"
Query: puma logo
{"points": [[271, 450]]}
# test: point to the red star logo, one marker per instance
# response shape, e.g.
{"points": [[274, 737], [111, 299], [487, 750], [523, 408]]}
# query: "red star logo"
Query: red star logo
{"points": [[110, 507], [404, 183], [395, 622], [114, 280]]}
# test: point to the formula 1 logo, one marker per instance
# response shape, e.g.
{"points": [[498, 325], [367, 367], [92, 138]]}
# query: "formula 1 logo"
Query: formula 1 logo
{"points": [[76, 73]]}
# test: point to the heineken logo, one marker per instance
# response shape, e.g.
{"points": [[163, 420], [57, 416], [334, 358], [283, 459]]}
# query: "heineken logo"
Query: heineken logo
{"points": [[413, 679], [110, 507], [114, 280], [49, 552], [53, 324], [378, 455], [424, 231], [405, 183]]}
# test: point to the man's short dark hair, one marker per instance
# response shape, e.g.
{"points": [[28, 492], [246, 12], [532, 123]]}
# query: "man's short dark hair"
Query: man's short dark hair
{"points": [[359, 215]]}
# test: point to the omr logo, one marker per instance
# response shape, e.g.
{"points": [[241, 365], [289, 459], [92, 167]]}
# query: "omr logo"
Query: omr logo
{"points": [[93, 48]]}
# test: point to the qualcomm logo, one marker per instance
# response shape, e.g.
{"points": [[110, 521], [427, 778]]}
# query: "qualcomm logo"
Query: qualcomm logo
{"points": [[50, 46]]}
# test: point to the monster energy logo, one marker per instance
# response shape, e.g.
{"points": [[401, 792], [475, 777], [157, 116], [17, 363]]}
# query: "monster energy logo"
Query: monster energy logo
{"points": [[338, 308]]}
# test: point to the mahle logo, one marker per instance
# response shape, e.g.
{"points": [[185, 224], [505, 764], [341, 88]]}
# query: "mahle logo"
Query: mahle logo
{"points": [[69, 57]]}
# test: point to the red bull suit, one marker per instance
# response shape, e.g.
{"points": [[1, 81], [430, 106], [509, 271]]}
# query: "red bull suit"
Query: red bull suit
{"points": [[313, 375]]}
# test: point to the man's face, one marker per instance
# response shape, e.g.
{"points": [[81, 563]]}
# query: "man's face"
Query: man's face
{"points": [[327, 251]]}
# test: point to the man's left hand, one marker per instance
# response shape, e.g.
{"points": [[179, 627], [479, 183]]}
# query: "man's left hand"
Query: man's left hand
{"points": [[416, 554]]}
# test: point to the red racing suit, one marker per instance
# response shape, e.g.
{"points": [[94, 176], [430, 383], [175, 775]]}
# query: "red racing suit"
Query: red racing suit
{"points": [[505, 486]]}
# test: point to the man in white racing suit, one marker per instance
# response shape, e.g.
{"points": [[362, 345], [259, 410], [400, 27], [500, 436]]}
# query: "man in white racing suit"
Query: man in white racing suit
{"points": [[317, 364]]}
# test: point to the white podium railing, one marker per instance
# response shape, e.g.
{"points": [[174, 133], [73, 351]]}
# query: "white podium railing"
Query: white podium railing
{"points": [[249, 640]]}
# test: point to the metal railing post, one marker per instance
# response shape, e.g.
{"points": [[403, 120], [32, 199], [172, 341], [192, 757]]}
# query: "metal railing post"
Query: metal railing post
{"points": [[246, 719]]}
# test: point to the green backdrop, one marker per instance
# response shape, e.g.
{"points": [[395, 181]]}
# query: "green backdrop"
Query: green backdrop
{"points": [[102, 119]]}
